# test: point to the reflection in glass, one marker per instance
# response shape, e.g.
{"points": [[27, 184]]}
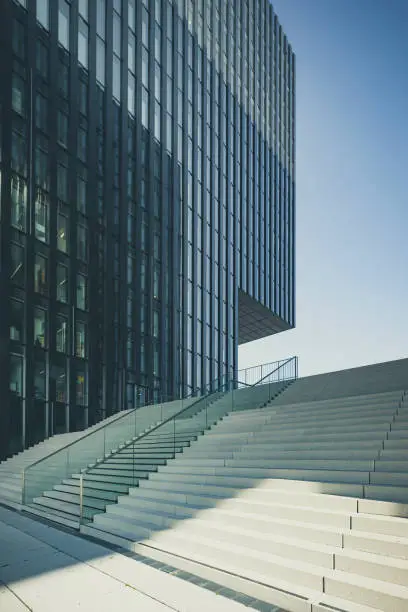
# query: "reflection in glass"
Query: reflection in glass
{"points": [[16, 320], [61, 334], [39, 327], [18, 202], [41, 215], [62, 232], [81, 291], [62, 283], [40, 274], [16, 374], [80, 339], [17, 264], [81, 388], [39, 381], [60, 385]]}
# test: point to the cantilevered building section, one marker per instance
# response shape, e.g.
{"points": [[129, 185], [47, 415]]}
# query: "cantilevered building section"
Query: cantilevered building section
{"points": [[147, 201]]}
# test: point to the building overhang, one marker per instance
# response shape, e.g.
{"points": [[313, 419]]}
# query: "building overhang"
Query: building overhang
{"points": [[255, 320]]}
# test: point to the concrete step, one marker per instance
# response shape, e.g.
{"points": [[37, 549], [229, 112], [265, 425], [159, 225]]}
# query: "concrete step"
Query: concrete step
{"points": [[98, 485], [394, 493], [303, 454], [389, 465], [119, 471], [367, 591], [73, 498], [273, 484], [372, 565], [381, 544], [399, 479], [148, 462], [104, 478], [273, 431], [366, 416], [385, 525], [340, 476], [259, 468], [108, 496]]}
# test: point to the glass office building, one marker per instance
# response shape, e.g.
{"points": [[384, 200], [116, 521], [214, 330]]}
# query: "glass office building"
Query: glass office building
{"points": [[147, 201]]}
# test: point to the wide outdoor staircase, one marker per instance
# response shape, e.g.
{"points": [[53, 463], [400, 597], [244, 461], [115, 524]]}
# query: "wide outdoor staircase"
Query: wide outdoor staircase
{"points": [[301, 502], [11, 469], [105, 480]]}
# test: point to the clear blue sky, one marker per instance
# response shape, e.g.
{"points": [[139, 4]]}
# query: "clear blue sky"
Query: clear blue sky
{"points": [[352, 196]]}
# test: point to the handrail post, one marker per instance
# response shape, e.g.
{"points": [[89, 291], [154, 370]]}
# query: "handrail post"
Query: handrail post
{"points": [[81, 498], [23, 487]]}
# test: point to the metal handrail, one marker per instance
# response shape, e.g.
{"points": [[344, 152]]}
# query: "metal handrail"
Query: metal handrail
{"points": [[162, 423], [126, 413], [28, 468], [275, 370], [205, 397]]}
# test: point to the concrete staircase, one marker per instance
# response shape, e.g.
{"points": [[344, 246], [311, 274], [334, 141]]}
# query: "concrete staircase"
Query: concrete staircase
{"points": [[301, 503], [112, 476]]}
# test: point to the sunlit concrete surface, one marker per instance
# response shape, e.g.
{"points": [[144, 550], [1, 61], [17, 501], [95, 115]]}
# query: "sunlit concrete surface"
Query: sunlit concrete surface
{"points": [[43, 569]]}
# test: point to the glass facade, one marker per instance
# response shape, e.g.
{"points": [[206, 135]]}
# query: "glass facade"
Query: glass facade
{"points": [[147, 201]]}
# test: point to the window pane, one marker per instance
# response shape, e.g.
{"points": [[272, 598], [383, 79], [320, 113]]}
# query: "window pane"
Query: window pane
{"points": [[61, 334], [131, 52], [131, 15], [83, 9], [62, 231], [116, 34], [80, 340], [100, 18], [81, 388], [40, 274], [17, 268], [39, 381], [41, 168], [82, 239], [82, 145], [81, 195], [16, 375], [145, 108], [41, 215], [43, 13], [41, 112], [62, 283], [81, 292], [62, 182], [40, 336], [62, 128], [18, 94], [116, 77], [61, 385], [83, 43], [131, 93], [100, 60], [42, 59], [18, 202], [18, 153], [63, 23], [16, 320]]}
